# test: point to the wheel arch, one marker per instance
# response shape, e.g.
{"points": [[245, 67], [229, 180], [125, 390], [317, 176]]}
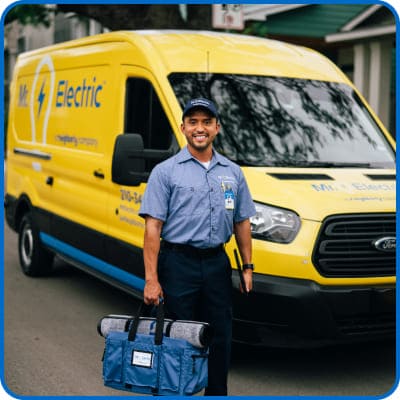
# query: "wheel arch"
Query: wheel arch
{"points": [[23, 206]]}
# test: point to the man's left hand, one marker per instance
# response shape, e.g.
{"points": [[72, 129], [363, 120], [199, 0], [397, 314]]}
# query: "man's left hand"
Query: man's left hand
{"points": [[248, 280]]}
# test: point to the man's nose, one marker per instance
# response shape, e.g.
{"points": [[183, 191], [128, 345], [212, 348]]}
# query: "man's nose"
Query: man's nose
{"points": [[200, 127]]}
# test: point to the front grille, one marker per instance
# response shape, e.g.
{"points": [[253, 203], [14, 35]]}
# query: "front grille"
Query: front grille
{"points": [[384, 324], [345, 246]]}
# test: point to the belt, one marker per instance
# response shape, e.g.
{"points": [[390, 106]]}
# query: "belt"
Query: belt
{"points": [[191, 250]]}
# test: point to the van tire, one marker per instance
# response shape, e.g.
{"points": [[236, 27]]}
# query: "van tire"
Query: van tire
{"points": [[34, 259]]}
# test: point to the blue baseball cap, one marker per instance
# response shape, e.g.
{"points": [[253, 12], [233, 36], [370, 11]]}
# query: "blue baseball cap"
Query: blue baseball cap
{"points": [[200, 102]]}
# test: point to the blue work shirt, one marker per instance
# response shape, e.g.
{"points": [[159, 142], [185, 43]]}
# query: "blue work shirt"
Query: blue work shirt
{"points": [[197, 205]]}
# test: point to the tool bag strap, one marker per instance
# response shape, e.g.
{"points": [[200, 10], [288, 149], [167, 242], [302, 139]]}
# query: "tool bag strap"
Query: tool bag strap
{"points": [[158, 337]]}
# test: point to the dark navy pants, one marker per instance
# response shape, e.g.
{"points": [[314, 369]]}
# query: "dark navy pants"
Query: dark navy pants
{"points": [[199, 287]]}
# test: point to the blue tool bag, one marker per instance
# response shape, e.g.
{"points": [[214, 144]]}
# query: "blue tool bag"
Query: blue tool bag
{"points": [[153, 363]]}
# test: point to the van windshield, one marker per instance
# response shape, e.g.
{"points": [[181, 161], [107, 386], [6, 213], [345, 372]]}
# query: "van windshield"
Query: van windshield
{"points": [[272, 121]]}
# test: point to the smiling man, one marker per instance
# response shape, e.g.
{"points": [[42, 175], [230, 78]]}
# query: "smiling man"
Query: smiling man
{"points": [[194, 202]]}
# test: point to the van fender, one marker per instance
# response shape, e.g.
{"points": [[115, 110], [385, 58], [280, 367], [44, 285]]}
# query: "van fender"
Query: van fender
{"points": [[16, 209], [23, 205], [27, 189]]}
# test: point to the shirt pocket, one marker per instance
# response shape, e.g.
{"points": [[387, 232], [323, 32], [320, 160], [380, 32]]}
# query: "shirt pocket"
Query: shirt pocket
{"points": [[191, 200]]}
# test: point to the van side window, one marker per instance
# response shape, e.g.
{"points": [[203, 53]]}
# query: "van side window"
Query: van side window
{"points": [[145, 115]]}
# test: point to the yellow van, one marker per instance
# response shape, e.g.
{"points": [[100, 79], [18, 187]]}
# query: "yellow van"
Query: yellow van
{"points": [[90, 118]]}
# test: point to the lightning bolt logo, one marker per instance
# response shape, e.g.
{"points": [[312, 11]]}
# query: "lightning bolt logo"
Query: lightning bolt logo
{"points": [[41, 97], [42, 101]]}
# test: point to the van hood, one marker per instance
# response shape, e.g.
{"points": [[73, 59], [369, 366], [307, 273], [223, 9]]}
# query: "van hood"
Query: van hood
{"points": [[317, 193]]}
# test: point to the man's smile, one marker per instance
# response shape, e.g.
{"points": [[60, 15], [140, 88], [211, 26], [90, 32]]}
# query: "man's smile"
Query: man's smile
{"points": [[200, 138]]}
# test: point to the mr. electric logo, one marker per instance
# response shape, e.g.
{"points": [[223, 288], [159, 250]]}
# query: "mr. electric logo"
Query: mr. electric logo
{"points": [[85, 93], [41, 97]]}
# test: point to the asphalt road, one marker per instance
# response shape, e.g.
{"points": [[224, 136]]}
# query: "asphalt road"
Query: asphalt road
{"points": [[52, 348]]}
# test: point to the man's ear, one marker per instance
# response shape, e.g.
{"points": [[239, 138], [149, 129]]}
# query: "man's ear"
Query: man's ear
{"points": [[218, 127]]}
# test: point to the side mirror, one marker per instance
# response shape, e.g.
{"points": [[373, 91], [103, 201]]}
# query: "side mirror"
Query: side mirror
{"points": [[128, 163], [128, 166]]}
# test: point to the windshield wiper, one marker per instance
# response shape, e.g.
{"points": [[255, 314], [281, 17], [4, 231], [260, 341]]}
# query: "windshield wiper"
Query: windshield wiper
{"points": [[333, 164], [305, 164]]}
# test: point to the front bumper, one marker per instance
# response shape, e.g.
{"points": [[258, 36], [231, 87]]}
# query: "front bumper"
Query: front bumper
{"points": [[285, 312]]}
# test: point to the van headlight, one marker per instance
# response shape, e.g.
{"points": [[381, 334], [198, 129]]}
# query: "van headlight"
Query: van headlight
{"points": [[274, 224]]}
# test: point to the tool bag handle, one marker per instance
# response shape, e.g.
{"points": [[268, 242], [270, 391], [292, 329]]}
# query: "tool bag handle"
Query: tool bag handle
{"points": [[158, 337]]}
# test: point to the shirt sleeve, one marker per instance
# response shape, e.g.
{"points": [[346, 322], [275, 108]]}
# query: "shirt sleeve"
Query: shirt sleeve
{"points": [[156, 195], [245, 207]]}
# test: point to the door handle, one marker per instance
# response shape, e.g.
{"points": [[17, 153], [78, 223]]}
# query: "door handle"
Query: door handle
{"points": [[49, 180], [98, 174]]}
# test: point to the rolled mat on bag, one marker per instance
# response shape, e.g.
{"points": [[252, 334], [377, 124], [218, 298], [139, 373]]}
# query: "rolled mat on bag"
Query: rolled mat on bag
{"points": [[199, 334]]}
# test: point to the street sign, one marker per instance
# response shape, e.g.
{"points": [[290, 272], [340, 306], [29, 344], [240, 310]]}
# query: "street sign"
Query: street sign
{"points": [[227, 16]]}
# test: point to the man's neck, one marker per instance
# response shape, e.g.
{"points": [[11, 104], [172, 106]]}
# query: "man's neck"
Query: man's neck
{"points": [[202, 156]]}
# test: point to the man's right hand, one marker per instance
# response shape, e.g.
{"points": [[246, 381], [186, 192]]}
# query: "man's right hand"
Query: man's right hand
{"points": [[152, 292]]}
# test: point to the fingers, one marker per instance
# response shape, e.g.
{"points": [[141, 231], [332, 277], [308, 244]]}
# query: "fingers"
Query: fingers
{"points": [[152, 293], [248, 281], [148, 300]]}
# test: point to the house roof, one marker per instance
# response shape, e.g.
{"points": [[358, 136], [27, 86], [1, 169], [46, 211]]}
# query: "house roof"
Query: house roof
{"points": [[259, 12], [361, 34], [316, 20]]}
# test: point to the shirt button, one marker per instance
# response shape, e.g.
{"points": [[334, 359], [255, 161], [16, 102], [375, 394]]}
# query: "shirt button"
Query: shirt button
{"points": [[212, 208]]}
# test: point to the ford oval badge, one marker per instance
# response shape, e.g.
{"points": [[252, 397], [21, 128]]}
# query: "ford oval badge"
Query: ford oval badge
{"points": [[387, 244]]}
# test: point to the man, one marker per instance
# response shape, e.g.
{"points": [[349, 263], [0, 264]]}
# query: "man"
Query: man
{"points": [[194, 201]]}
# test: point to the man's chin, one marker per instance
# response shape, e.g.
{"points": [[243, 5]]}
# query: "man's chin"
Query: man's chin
{"points": [[201, 146]]}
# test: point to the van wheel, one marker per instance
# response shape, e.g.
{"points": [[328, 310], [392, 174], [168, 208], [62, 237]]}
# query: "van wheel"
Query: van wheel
{"points": [[34, 259]]}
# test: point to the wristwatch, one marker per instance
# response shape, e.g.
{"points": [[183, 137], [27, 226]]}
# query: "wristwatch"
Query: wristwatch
{"points": [[248, 266]]}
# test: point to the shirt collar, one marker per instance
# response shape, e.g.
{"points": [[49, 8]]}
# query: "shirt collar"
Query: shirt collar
{"points": [[184, 155]]}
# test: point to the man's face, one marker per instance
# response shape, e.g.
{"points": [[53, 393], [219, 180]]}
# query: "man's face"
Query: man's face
{"points": [[200, 129]]}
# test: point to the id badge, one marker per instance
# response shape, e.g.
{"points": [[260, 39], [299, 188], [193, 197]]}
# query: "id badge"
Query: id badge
{"points": [[229, 200]]}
